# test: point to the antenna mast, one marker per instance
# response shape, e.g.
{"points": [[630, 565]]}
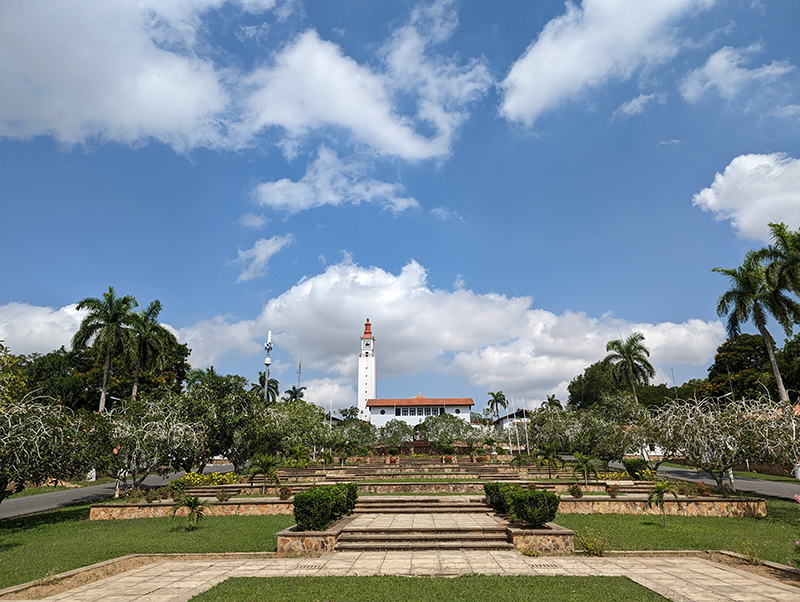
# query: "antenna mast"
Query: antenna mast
{"points": [[267, 362]]}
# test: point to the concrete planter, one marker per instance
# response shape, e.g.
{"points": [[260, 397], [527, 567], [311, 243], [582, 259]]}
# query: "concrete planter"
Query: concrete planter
{"points": [[292, 542], [552, 540]]}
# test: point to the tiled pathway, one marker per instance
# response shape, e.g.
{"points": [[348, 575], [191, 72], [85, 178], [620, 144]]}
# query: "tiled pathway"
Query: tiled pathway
{"points": [[678, 579]]}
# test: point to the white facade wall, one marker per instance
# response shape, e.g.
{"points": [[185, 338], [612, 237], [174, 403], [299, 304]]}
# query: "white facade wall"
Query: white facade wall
{"points": [[379, 420]]}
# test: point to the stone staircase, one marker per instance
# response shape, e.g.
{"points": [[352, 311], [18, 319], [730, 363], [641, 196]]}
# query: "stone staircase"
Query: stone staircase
{"points": [[421, 504], [423, 523]]}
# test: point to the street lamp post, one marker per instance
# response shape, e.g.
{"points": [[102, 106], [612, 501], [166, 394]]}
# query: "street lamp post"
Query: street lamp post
{"points": [[267, 362]]}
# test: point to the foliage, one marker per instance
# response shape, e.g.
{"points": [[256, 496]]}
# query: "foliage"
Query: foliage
{"points": [[13, 379], [41, 442], [223, 495], [395, 432], [194, 479], [575, 491], [593, 542], [498, 494], [444, 430], [149, 344], [602, 434], [753, 551], [295, 393], [551, 426], [497, 400], [284, 492], [741, 369], [628, 361], [295, 423], [657, 495], [534, 508], [107, 326], [196, 509], [267, 466], [147, 435], [612, 490], [635, 467], [358, 432], [318, 507], [548, 455], [584, 465], [592, 386], [351, 413]]}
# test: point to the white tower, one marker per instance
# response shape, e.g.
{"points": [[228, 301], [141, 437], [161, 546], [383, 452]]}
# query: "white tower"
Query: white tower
{"points": [[366, 371]]}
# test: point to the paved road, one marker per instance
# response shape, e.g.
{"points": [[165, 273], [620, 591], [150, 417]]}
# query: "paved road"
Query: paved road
{"points": [[85, 495]]}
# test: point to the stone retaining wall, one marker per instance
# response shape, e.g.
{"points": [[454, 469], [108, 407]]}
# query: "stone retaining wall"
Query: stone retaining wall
{"points": [[730, 507], [552, 540], [292, 542], [255, 507]]}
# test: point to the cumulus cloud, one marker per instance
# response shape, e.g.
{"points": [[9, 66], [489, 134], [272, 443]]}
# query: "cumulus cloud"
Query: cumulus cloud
{"points": [[253, 221], [524, 351], [445, 213], [588, 46], [257, 257], [331, 181], [29, 328], [753, 191], [724, 74]]}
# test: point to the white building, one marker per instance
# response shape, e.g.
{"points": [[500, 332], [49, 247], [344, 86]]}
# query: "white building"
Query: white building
{"points": [[411, 411]]}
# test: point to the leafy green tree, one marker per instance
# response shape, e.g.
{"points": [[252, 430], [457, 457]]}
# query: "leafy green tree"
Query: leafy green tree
{"points": [[107, 326], [788, 360], [740, 370], [444, 430], [657, 497], [151, 342], [628, 361], [552, 402], [584, 465], [295, 423], [294, 394], [752, 295], [552, 426], [497, 400], [13, 376], [207, 376], [591, 387], [364, 434], [351, 413]]}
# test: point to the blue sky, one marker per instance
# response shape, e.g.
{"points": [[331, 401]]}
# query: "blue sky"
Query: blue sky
{"points": [[500, 187]]}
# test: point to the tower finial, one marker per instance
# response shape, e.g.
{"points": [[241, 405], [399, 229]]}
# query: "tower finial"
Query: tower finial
{"points": [[367, 330]]}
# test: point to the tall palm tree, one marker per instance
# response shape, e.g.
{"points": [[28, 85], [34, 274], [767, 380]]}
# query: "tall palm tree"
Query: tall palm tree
{"points": [[497, 400], [197, 376], [783, 270], [108, 326], [294, 394], [151, 342], [752, 295], [628, 361], [272, 389], [552, 402]]}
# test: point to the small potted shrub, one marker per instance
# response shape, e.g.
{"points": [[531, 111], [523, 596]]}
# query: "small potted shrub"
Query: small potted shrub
{"points": [[576, 491]]}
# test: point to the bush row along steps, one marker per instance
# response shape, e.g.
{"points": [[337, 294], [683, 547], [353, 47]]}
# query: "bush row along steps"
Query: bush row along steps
{"points": [[411, 504], [424, 532]]}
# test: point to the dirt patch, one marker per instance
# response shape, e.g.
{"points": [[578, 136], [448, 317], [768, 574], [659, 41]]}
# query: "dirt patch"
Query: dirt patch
{"points": [[50, 586]]}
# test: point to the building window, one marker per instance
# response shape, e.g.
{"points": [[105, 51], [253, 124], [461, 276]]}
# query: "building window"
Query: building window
{"points": [[435, 411], [383, 412], [397, 411], [427, 411], [412, 411], [405, 411], [458, 411]]}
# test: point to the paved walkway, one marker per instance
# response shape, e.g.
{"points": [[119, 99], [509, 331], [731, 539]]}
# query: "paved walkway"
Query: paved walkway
{"points": [[442, 521], [678, 579]]}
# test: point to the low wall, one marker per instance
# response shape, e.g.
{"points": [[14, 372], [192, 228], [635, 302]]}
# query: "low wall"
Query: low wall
{"points": [[704, 506], [253, 507], [292, 542], [551, 540]]}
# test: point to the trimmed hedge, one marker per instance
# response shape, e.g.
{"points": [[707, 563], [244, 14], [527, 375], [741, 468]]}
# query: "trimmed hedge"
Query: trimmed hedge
{"points": [[318, 507], [532, 507]]}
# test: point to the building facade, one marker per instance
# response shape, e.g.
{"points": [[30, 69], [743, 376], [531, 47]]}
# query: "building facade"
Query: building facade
{"points": [[415, 410], [366, 386]]}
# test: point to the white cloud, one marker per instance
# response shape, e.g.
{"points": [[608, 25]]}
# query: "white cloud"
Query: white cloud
{"points": [[253, 221], [636, 106], [29, 328], [753, 191], [588, 46], [258, 256], [331, 181], [312, 85], [211, 340], [724, 74], [445, 213]]}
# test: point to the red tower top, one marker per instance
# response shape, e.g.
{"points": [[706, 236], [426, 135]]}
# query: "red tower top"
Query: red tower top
{"points": [[368, 331]]}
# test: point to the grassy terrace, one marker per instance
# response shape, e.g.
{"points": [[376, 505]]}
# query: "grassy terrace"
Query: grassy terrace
{"points": [[467, 588], [53, 542]]}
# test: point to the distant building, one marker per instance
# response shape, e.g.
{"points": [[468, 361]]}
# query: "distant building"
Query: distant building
{"points": [[411, 411]]}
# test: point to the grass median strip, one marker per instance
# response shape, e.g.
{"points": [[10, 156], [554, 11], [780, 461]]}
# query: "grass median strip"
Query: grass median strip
{"points": [[46, 544], [466, 588]]}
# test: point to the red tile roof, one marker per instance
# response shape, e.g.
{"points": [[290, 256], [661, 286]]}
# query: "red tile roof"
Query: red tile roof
{"points": [[419, 400], [367, 331]]}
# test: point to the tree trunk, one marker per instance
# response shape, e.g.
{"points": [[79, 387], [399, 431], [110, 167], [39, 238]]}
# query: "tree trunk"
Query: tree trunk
{"points": [[136, 380], [774, 364], [106, 371]]}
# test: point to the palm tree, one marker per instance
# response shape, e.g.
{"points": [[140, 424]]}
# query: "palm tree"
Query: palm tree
{"points": [[198, 376], [266, 465], [752, 295], [294, 394], [585, 466], [783, 271], [107, 325], [151, 342], [548, 454], [628, 361], [497, 401], [273, 390], [197, 509], [657, 497], [552, 402]]}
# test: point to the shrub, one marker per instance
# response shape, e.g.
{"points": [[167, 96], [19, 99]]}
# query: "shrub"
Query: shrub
{"points": [[393, 451], [284, 492], [636, 467], [498, 494], [703, 489], [576, 491], [687, 488], [535, 508], [151, 496], [223, 495], [594, 543], [318, 507], [612, 491], [193, 479]]}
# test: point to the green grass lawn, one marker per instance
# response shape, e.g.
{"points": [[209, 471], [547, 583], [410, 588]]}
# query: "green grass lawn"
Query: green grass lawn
{"points": [[776, 532], [466, 588], [53, 542]]}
